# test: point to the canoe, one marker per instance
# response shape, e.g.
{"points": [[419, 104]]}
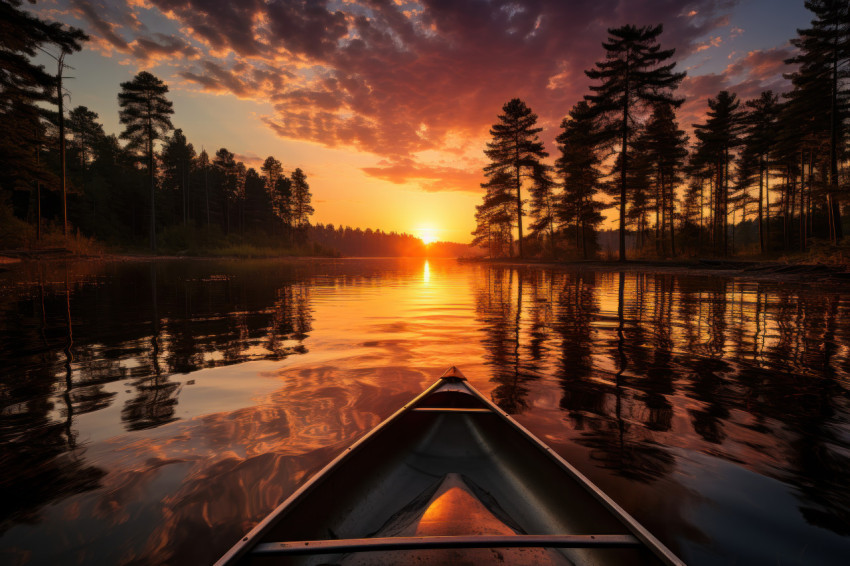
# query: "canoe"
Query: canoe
{"points": [[449, 479]]}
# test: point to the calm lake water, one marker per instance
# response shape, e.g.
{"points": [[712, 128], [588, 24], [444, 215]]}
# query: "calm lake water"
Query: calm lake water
{"points": [[151, 413]]}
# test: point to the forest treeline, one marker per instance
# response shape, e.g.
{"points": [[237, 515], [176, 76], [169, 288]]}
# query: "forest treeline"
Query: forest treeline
{"points": [[376, 243], [64, 177], [149, 184], [761, 176]]}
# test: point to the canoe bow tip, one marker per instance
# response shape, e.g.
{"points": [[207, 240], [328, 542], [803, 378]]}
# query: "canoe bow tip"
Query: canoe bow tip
{"points": [[453, 375]]}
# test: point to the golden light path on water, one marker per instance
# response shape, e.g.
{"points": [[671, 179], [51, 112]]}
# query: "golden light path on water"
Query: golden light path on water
{"points": [[198, 395]]}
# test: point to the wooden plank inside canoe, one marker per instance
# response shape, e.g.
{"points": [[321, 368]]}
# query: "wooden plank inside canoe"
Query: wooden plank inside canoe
{"points": [[424, 543]]}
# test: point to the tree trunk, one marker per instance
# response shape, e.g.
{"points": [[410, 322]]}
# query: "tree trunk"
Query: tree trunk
{"points": [[767, 207], [835, 209], [659, 216], [725, 195], [518, 197], [672, 223], [61, 101], [761, 210], [802, 201], [151, 178], [624, 134]]}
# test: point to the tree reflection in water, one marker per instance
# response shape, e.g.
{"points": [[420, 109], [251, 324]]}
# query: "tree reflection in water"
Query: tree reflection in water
{"points": [[651, 383], [172, 320], [753, 372]]}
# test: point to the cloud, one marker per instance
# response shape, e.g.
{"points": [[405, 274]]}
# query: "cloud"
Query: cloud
{"points": [[762, 65], [713, 42], [400, 78], [240, 79], [158, 47], [747, 77], [431, 178]]}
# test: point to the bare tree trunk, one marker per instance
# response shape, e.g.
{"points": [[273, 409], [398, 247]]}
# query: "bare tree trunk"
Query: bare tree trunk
{"points": [[672, 223], [61, 102], [767, 206], [802, 200], [835, 208], [761, 209]]}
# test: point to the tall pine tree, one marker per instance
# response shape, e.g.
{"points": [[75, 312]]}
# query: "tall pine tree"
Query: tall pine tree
{"points": [[515, 154], [760, 124], [717, 139], [145, 114], [665, 149], [632, 76], [823, 56], [578, 169]]}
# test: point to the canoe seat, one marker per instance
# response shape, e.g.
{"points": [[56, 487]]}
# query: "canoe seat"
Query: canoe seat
{"points": [[435, 542], [450, 410]]}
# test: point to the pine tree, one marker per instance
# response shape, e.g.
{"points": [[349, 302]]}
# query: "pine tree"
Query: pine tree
{"points": [[515, 153], [203, 164], [301, 201], [824, 52], [717, 139], [543, 209], [578, 170], [664, 147], [278, 194], [145, 114], [759, 138], [228, 185], [258, 204], [86, 132], [23, 86], [494, 216], [177, 157], [632, 77]]}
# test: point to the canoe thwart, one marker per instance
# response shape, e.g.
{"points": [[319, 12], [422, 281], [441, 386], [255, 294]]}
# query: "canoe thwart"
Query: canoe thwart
{"points": [[450, 410], [441, 542]]}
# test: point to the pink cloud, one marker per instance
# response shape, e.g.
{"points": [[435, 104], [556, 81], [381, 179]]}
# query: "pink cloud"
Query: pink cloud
{"points": [[394, 81], [747, 77], [432, 178]]}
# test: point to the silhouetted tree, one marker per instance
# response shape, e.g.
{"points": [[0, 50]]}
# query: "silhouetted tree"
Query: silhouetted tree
{"points": [[494, 217], [717, 138], [578, 169], [664, 147], [145, 114], [515, 153], [177, 157], [631, 77], [301, 199], [759, 139], [258, 203], [823, 55], [23, 85], [228, 183]]}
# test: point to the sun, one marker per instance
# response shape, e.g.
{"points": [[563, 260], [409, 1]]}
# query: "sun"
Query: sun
{"points": [[427, 234]]}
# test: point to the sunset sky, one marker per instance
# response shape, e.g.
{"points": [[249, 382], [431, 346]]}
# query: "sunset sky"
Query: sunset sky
{"points": [[385, 104]]}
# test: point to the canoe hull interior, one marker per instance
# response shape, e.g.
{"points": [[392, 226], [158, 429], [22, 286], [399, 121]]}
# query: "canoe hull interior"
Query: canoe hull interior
{"points": [[448, 473]]}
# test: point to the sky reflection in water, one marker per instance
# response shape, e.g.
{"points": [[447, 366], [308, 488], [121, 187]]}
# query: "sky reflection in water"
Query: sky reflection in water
{"points": [[147, 407]]}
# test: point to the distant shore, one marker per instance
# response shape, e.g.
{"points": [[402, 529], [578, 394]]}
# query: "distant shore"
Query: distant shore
{"points": [[750, 269]]}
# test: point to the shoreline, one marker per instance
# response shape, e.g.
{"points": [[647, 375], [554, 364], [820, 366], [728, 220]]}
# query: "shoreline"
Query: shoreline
{"points": [[749, 269]]}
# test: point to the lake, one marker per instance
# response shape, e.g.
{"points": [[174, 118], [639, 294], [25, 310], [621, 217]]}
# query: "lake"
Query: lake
{"points": [[153, 412]]}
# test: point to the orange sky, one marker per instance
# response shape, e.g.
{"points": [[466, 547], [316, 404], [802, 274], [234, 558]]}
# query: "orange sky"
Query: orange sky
{"points": [[386, 104]]}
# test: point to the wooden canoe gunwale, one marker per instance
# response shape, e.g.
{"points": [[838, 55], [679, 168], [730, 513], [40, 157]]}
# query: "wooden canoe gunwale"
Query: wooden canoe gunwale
{"points": [[250, 543], [246, 543]]}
